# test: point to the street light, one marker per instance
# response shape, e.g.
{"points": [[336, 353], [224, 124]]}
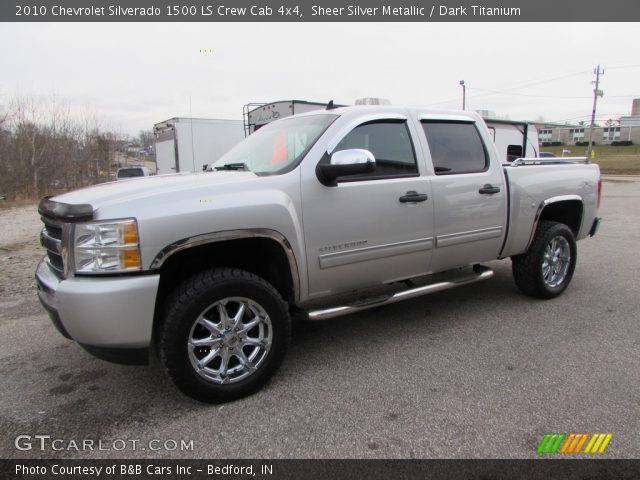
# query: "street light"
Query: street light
{"points": [[464, 94]]}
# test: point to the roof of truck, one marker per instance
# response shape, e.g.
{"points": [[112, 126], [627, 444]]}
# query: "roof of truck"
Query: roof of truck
{"points": [[359, 110]]}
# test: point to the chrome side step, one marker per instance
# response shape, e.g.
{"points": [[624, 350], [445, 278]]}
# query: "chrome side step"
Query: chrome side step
{"points": [[480, 273]]}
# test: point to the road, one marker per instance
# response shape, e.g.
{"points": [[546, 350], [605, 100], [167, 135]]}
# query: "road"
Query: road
{"points": [[481, 371]]}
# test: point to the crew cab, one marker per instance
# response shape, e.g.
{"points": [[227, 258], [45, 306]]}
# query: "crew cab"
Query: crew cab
{"points": [[316, 215]]}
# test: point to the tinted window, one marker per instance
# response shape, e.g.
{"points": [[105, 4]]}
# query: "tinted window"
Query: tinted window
{"points": [[514, 152], [455, 147], [390, 144]]}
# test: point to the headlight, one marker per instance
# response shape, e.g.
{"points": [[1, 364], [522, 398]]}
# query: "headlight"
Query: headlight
{"points": [[107, 247]]}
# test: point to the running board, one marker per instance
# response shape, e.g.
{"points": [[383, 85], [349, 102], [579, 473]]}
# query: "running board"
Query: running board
{"points": [[480, 273]]}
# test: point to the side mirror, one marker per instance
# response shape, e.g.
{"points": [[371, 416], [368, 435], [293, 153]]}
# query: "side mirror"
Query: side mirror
{"points": [[345, 162]]}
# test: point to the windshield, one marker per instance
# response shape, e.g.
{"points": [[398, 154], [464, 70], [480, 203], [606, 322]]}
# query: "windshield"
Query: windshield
{"points": [[277, 147], [130, 172]]}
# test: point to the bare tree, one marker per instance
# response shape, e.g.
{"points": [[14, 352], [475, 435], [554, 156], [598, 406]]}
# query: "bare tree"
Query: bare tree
{"points": [[44, 149], [146, 138]]}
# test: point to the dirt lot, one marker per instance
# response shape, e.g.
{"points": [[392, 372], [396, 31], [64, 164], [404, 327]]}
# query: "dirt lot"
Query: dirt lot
{"points": [[19, 252], [481, 371]]}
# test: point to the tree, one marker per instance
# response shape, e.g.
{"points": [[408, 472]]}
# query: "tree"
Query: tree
{"points": [[146, 138], [44, 150]]}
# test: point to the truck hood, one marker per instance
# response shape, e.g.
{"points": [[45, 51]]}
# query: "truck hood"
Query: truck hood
{"points": [[127, 191]]}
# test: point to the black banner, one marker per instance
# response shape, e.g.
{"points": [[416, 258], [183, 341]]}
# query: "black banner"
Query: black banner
{"points": [[318, 11], [321, 469]]}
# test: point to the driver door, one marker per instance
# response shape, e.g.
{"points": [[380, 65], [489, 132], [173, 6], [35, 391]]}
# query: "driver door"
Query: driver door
{"points": [[366, 230]]}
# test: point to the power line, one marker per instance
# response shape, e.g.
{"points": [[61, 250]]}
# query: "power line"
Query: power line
{"points": [[498, 92], [517, 87], [509, 91], [601, 117], [538, 82], [624, 66]]}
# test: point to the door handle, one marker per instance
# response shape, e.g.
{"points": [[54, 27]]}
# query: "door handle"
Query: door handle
{"points": [[490, 189], [413, 196]]}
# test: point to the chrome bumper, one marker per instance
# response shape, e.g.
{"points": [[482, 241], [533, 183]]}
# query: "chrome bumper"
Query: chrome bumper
{"points": [[102, 313]]}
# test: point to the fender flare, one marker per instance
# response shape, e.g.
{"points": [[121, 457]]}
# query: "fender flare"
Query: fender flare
{"points": [[551, 201], [209, 238]]}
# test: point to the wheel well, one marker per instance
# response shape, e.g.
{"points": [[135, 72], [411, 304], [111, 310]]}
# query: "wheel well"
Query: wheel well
{"points": [[263, 257], [568, 212]]}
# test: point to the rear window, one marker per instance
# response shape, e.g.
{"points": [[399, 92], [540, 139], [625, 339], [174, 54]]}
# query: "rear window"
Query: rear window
{"points": [[455, 147], [130, 172]]}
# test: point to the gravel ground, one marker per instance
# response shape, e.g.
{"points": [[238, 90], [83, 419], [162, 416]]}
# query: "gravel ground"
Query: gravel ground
{"points": [[19, 252], [481, 371]]}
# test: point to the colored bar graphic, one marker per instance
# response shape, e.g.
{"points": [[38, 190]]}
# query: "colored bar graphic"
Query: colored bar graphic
{"points": [[596, 446], [578, 442], [590, 444], [572, 443], [543, 443], [598, 443], [549, 445], [567, 443], [557, 443], [607, 439], [581, 443], [551, 442]]}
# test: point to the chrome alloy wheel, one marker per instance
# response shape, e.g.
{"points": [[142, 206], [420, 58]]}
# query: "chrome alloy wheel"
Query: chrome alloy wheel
{"points": [[230, 340], [556, 261]]}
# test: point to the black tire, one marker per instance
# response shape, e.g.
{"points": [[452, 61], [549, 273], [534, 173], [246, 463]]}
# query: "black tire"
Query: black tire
{"points": [[528, 268], [197, 298]]}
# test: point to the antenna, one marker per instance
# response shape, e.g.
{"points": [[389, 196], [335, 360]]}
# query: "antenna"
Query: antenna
{"points": [[330, 105]]}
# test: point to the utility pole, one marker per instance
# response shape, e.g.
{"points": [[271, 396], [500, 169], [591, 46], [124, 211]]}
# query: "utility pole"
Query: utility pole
{"points": [[464, 94], [596, 93]]}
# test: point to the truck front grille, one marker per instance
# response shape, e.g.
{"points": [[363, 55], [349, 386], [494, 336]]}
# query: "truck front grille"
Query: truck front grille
{"points": [[51, 240]]}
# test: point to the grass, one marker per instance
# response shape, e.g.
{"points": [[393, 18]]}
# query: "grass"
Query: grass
{"points": [[612, 160]]}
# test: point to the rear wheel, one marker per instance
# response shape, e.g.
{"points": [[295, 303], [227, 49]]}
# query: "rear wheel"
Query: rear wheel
{"points": [[547, 268], [225, 333]]}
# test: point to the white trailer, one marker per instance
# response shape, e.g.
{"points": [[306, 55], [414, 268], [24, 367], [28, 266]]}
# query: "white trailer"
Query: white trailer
{"points": [[513, 139], [188, 144], [257, 115]]}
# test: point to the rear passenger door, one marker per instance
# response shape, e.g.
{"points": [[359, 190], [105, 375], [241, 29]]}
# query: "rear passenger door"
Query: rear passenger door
{"points": [[470, 201]]}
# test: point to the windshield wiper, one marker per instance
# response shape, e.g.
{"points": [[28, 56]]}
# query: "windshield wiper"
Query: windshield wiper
{"points": [[233, 166]]}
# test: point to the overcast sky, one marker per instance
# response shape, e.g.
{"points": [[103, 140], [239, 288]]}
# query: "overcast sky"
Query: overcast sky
{"points": [[133, 75]]}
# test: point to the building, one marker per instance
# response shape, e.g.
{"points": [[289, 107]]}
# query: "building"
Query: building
{"points": [[625, 129], [630, 121]]}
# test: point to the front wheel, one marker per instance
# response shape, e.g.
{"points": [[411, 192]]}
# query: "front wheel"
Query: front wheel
{"points": [[225, 333], [546, 269]]}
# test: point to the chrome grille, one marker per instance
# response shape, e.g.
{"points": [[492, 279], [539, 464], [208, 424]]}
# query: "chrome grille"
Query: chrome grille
{"points": [[51, 240]]}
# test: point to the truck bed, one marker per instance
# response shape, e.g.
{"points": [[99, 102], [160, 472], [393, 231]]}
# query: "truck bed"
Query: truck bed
{"points": [[535, 181]]}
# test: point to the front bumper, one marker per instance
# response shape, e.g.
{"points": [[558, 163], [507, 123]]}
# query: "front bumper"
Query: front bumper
{"points": [[111, 317]]}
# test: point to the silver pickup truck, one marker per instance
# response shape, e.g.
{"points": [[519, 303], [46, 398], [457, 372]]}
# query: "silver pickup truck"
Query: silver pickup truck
{"points": [[316, 215]]}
